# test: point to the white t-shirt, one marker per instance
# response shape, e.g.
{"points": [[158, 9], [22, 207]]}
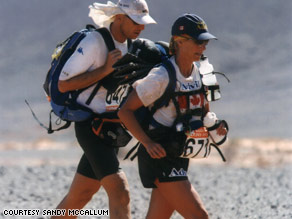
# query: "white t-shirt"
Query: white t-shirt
{"points": [[152, 87], [90, 54]]}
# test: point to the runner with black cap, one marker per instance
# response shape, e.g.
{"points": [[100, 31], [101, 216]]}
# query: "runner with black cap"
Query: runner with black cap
{"points": [[166, 174]]}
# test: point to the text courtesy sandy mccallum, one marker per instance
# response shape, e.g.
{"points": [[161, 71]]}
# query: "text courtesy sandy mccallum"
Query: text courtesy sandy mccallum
{"points": [[54, 212]]}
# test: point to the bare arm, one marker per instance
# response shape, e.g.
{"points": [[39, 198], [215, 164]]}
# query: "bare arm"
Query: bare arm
{"points": [[128, 118], [91, 77]]}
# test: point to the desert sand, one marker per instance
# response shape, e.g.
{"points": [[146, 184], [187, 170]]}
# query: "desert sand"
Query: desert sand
{"points": [[254, 183]]}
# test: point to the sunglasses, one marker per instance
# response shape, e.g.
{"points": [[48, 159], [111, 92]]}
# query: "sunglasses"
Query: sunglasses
{"points": [[198, 42]]}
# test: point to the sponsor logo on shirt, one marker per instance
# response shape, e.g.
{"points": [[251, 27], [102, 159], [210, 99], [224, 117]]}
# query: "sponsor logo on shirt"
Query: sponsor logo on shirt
{"points": [[190, 86], [80, 50], [65, 73]]}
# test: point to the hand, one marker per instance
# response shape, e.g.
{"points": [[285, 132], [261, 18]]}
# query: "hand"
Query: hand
{"points": [[221, 130], [112, 58], [155, 150]]}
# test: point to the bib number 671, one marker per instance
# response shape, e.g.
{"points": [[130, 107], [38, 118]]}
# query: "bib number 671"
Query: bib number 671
{"points": [[196, 148]]}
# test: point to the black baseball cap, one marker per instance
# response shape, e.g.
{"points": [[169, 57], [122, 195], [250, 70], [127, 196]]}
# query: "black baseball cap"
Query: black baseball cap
{"points": [[193, 26]]}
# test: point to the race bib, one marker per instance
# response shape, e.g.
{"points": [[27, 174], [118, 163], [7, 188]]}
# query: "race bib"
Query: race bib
{"points": [[197, 144], [114, 99]]}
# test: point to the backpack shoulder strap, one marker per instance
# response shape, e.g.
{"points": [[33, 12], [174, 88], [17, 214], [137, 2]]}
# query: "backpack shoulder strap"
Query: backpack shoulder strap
{"points": [[169, 91], [107, 37], [129, 43], [109, 42]]}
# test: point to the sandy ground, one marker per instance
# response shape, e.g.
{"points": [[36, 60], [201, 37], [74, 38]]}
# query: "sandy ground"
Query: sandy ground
{"points": [[255, 182]]}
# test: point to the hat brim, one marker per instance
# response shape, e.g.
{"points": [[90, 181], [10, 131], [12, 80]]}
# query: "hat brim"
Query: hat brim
{"points": [[206, 36], [142, 19]]}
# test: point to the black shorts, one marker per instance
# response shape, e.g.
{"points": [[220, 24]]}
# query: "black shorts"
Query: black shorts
{"points": [[99, 159], [164, 169]]}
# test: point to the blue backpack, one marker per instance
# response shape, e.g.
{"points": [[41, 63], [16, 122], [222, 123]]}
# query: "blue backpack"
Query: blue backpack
{"points": [[64, 105], [134, 65]]}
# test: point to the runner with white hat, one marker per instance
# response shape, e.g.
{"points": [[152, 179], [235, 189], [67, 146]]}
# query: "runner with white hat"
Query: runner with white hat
{"points": [[91, 62]]}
